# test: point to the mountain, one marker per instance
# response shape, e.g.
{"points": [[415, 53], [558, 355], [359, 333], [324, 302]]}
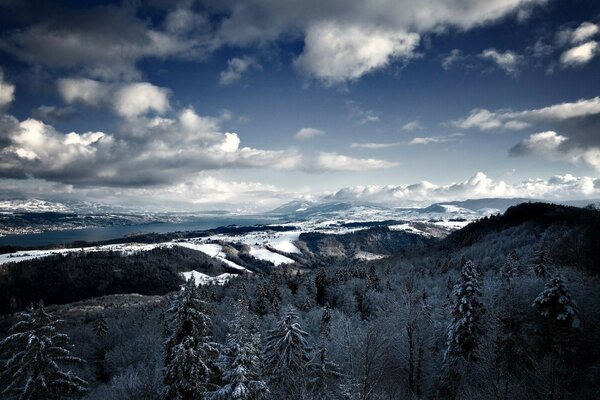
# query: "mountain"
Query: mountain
{"points": [[68, 206]]}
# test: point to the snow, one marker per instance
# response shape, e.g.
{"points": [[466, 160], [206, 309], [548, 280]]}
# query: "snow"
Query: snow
{"points": [[267, 255], [213, 250], [365, 255], [203, 279]]}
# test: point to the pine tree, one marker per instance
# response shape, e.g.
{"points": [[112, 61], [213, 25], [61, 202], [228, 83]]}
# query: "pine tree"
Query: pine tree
{"points": [[34, 356], [324, 376], [464, 331], [100, 327], [510, 269], [321, 285], [372, 278], [325, 326], [556, 304], [239, 361], [189, 356], [541, 263], [287, 356]]}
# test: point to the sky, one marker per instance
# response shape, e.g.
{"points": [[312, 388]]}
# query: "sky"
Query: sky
{"points": [[245, 105]]}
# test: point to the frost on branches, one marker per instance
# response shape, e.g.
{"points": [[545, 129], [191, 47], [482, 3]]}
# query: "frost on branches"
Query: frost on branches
{"points": [[239, 361], [464, 331], [34, 356], [555, 303], [189, 355], [287, 357]]}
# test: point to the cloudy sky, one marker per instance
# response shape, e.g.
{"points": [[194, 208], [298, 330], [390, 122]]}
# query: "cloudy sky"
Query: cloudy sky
{"points": [[244, 105]]}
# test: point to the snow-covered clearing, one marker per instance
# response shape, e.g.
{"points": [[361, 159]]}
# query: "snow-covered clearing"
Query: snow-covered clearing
{"points": [[203, 279]]}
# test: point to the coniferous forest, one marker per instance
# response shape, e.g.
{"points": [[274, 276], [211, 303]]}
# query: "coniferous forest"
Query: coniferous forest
{"points": [[506, 308]]}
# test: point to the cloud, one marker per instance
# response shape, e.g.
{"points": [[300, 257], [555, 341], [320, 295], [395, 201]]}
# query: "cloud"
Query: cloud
{"points": [[552, 146], [7, 91], [578, 122], [507, 61], [486, 120], [145, 151], [414, 141], [127, 100], [583, 33], [559, 187], [579, 55], [236, 68], [412, 126], [361, 116], [336, 162], [336, 53], [454, 57], [105, 41], [308, 133]]}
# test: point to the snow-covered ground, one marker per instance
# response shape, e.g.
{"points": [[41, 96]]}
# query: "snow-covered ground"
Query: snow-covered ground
{"points": [[203, 279]]}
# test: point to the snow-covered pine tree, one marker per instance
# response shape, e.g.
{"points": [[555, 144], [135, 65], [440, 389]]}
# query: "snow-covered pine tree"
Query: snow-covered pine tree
{"points": [[509, 270], [287, 356], [100, 326], [189, 355], [240, 362], [464, 331], [323, 377], [555, 303], [541, 263], [34, 356], [325, 326]]}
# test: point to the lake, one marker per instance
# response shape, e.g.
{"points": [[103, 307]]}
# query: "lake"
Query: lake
{"points": [[115, 232]]}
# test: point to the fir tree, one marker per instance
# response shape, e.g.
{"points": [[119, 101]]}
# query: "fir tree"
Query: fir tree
{"points": [[325, 326], [555, 303], [239, 361], [34, 357], [510, 269], [189, 356], [324, 376], [541, 263], [287, 356], [321, 285], [100, 327], [464, 331]]}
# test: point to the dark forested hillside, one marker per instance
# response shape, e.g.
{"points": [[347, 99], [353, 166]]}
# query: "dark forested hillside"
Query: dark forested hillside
{"points": [[506, 308]]}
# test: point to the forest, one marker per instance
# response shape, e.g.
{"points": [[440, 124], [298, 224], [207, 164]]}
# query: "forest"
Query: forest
{"points": [[506, 308]]}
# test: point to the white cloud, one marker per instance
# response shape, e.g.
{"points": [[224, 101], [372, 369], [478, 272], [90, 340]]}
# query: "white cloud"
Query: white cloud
{"points": [[478, 186], [454, 57], [507, 61], [550, 145], [144, 152], [579, 55], [337, 162], [486, 120], [585, 31], [414, 141], [412, 126], [359, 115], [336, 53], [7, 91], [308, 133], [128, 100], [236, 68]]}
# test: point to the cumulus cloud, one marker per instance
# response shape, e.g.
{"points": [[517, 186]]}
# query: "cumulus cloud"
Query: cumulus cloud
{"points": [[7, 91], [336, 53], [308, 133], [127, 99], [477, 186], [578, 122], [583, 33], [361, 116], [332, 162], [236, 67], [507, 61], [146, 151], [579, 55], [550, 145]]}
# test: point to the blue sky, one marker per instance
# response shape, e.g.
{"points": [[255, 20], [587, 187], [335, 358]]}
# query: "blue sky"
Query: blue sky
{"points": [[245, 105]]}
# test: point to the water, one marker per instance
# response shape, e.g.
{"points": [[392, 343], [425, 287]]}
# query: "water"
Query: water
{"points": [[115, 232]]}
